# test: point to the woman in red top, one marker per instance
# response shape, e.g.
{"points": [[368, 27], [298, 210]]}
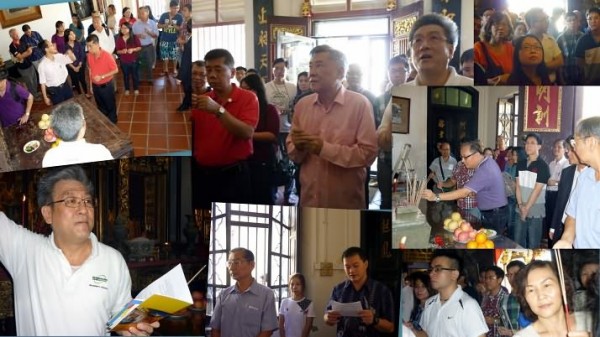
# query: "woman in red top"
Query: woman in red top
{"points": [[496, 46], [127, 47], [127, 17]]}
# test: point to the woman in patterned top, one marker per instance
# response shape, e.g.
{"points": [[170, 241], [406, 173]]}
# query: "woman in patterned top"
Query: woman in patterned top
{"points": [[296, 313]]}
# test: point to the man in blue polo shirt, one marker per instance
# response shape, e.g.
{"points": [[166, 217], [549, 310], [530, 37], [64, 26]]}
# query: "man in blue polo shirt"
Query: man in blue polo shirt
{"points": [[32, 39], [486, 182], [587, 50], [377, 316], [246, 309]]}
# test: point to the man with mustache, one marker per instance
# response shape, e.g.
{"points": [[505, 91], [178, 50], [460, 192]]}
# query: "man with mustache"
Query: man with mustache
{"points": [[433, 41], [377, 316], [67, 283], [247, 308]]}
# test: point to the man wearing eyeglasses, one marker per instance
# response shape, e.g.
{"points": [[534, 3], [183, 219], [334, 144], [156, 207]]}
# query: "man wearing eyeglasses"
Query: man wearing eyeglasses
{"points": [[69, 125], [487, 183], [377, 316], [247, 308], [451, 312], [67, 283], [581, 224], [433, 41]]}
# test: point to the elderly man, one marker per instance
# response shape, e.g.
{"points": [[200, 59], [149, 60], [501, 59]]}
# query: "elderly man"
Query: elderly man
{"points": [[487, 183], [52, 275], [223, 120], [146, 30], [246, 309], [69, 125], [451, 312], [12, 97], [581, 230], [433, 41], [102, 68], [377, 314], [53, 74], [20, 54], [333, 136]]}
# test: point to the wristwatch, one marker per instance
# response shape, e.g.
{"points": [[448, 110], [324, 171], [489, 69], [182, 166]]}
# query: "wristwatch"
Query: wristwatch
{"points": [[437, 197], [220, 112]]}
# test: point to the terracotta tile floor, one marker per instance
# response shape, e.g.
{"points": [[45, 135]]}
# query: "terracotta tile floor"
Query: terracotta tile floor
{"points": [[151, 119]]}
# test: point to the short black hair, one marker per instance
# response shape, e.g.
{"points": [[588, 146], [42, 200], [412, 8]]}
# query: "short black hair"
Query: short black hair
{"points": [[400, 59], [467, 55], [93, 38], [220, 53], [474, 145], [455, 260], [173, 3], [515, 263], [26, 28], [3, 74], [450, 28], [240, 68], [497, 271], [592, 10], [349, 252], [571, 15], [535, 135], [280, 60]]}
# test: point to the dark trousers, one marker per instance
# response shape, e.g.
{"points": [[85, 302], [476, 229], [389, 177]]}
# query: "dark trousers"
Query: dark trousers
{"points": [[261, 180], [147, 57], [77, 78], [496, 219], [384, 179], [104, 95], [229, 183], [550, 204], [59, 94], [131, 70]]}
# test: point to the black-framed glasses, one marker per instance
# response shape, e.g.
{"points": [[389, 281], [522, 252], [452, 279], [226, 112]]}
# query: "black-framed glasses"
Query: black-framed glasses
{"points": [[438, 269], [75, 202], [467, 157]]}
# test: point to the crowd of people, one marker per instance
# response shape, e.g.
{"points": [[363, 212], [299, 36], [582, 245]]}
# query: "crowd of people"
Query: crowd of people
{"points": [[51, 69], [532, 307], [530, 49], [317, 140], [517, 193]]}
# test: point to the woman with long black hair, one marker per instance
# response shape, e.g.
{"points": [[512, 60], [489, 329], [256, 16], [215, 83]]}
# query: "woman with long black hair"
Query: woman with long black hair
{"points": [[264, 139], [127, 47]]}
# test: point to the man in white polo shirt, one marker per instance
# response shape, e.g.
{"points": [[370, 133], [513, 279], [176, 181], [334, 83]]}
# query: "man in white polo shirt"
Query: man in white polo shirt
{"points": [[53, 73], [67, 283], [452, 312]]}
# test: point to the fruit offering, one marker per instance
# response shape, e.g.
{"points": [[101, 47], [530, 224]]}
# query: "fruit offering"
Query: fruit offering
{"points": [[480, 240], [44, 122], [453, 222]]}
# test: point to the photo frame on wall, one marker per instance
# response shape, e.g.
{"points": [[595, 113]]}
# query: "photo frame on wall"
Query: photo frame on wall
{"points": [[400, 114], [16, 16], [82, 8]]}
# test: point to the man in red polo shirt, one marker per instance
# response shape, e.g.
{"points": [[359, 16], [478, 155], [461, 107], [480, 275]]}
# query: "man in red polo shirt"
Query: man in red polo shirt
{"points": [[102, 67], [223, 120]]}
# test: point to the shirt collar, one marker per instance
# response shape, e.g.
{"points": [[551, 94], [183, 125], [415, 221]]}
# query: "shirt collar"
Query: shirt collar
{"points": [[252, 289], [340, 97], [92, 238]]}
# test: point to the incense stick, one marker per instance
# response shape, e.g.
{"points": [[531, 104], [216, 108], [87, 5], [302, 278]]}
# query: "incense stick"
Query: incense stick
{"points": [[196, 275], [561, 277]]}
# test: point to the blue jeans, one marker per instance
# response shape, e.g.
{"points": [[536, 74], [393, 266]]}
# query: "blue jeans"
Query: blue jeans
{"points": [[131, 69], [495, 219], [528, 233]]}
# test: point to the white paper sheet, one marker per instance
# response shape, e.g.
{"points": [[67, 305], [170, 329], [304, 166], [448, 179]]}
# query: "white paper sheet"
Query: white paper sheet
{"points": [[347, 309]]}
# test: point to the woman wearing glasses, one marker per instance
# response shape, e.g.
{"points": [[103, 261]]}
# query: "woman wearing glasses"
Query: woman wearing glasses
{"points": [[528, 63], [494, 53]]}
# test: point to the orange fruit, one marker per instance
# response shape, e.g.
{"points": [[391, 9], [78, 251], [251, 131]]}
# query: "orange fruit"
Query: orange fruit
{"points": [[481, 246], [481, 237], [471, 244], [489, 243]]}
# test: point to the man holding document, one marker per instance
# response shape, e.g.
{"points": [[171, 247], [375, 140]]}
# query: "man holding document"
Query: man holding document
{"points": [[360, 306], [67, 283]]}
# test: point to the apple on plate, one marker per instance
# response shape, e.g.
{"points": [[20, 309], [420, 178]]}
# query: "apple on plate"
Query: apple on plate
{"points": [[463, 236], [466, 226]]}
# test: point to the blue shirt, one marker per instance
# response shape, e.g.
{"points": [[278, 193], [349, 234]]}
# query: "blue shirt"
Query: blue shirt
{"points": [[33, 41], [244, 314], [488, 183], [583, 206], [373, 295], [170, 34], [139, 29]]}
